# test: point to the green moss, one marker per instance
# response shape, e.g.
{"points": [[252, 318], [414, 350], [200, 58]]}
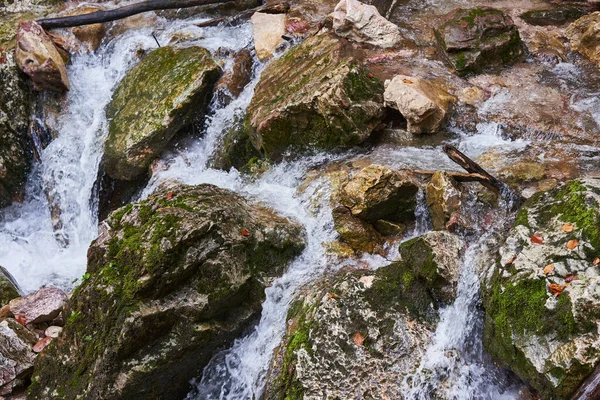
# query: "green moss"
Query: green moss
{"points": [[461, 61], [522, 217]]}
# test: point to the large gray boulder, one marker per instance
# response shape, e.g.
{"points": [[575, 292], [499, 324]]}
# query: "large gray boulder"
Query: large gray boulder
{"points": [[169, 280]]}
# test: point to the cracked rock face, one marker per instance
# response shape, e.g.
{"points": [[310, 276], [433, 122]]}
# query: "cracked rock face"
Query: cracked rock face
{"points": [[547, 267]]}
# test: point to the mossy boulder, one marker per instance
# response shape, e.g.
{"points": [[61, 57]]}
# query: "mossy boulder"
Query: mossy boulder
{"points": [[155, 100], [169, 280], [358, 333], [542, 298], [360, 235], [8, 287], [15, 147], [314, 97], [473, 39], [235, 149]]}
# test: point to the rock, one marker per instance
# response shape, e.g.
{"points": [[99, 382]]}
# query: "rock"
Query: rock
{"points": [[474, 39], [236, 149], [233, 82], [555, 16], [93, 34], [387, 228], [41, 344], [171, 280], [41, 306], [39, 58], [267, 30], [8, 287], [443, 199], [553, 346], [362, 23], [16, 356], [424, 105], [584, 35], [155, 100], [358, 234], [378, 192], [358, 333], [314, 97], [53, 331]]}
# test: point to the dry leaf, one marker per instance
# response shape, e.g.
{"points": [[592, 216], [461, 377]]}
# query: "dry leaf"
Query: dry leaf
{"points": [[245, 232], [406, 80], [169, 195], [512, 260], [572, 244], [548, 269], [358, 339], [596, 261], [464, 25], [41, 344], [556, 289], [538, 239], [21, 319], [570, 278], [568, 227], [332, 296]]}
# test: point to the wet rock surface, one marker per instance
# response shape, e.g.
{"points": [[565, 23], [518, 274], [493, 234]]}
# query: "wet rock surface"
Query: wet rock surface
{"points": [[584, 35], [169, 281], [41, 306], [157, 98], [358, 321], [8, 287], [547, 268], [16, 356]]}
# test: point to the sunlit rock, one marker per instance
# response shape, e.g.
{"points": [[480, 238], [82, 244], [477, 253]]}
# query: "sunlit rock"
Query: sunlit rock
{"points": [[169, 281], [443, 199], [41, 306], [267, 30], [39, 58], [157, 98], [362, 23], [584, 35]]}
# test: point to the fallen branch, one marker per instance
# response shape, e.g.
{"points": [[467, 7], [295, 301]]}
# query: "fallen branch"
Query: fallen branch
{"points": [[122, 12], [280, 8], [472, 167]]}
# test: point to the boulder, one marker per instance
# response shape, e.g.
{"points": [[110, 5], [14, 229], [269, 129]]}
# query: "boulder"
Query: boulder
{"points": [[358, 333], [15, 108], [423, 104], [8, 287], [314, 97], [156, 99], [378, 192], [39, 58], [267, 30], [554, 16], [584, 35], [170, 280], [473, 39], [236, 149], [542, 297], [233, 82], [358, 234], [92, 34], [443, 199], [41, 306], [16, 356], [362, 23]]}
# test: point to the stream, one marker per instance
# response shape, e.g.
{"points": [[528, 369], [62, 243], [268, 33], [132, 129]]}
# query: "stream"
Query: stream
{"points": [[68, 169]]}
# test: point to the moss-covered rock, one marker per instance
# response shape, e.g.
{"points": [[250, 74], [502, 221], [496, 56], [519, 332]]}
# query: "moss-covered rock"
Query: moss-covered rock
{"points": [[542, 300], [236, 149], [358, 234], [169, 280], [8, 287], [314, 97], [476, 38], [15, 147], [155, 100], [358, 324]]}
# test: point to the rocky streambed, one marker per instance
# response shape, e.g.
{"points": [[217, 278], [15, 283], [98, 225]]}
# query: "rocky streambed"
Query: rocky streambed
{"points": [[261, 205]]}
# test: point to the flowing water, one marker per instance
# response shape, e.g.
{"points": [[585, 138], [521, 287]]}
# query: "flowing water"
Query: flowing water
{"points": [[67, 171]]}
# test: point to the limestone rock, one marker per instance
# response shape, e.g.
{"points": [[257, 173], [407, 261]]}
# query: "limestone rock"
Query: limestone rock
{"points": [[16, 355], [41, 306], [8, 287], [314, 97], [232, 82], [236, 149], [358, 234], [584, 35], [156, 99], [362, 23], [424, 105], [358, 333], [476, 38], [548, 334], [378, 192], [93, 34], [171, 280], [267, 30], [37, 56], [443, 199]]}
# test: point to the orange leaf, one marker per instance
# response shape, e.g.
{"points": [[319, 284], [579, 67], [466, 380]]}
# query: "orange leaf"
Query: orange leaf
{"points": [[548, 269], [572, 244], [570, 278], [464, 25], [596, 261], [568, 227], [332, 296], [41, 344], [245, 232], [21, 319], [406, 80], [512, 260], [169, 195], [359, 339], [538, 239], [556, 289]]}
